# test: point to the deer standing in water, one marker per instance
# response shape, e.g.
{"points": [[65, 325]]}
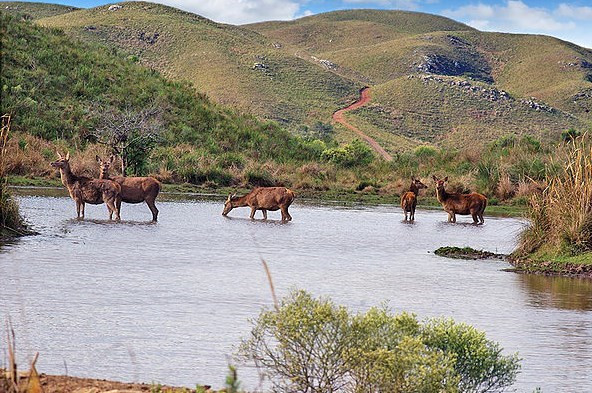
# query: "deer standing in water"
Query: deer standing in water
{"points": [[86, 190], [264, 199], [409, 198], [133, 189], [463, 204]]}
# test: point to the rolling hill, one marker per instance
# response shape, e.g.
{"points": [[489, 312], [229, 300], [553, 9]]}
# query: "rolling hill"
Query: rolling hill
{"points": [[433, 80], [231, 64], [34, 11]]}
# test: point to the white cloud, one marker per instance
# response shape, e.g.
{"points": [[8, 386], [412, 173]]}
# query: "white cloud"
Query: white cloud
{"points": [[239, 11], [514, 16], [583, 13]]}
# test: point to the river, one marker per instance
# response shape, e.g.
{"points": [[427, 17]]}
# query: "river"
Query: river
{"points": [[168, 302]]}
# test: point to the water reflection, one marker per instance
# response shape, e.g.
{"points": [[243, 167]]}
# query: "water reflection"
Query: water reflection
{"points": [[558, 292]]}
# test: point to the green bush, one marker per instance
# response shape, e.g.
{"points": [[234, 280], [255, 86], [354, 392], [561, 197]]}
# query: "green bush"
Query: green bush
{"points": [[425, 152], [356, 153], [314, 345], [570, 135]]}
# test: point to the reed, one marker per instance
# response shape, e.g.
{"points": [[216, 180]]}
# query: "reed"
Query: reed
{"points": [[11, 222], [561, 216]]}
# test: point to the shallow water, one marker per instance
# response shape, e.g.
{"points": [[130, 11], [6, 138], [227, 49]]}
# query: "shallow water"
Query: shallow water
{"points": [[168, 302]]}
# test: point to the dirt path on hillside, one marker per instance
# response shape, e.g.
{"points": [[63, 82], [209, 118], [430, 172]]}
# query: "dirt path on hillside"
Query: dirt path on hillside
{"points": [[339, 118]]}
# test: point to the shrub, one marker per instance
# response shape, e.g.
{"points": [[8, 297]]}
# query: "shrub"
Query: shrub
{"points": [[570, 135], [425, 152], [314, 345], [560, 216], [353, 154]]}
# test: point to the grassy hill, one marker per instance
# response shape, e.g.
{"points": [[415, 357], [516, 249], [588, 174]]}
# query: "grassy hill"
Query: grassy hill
{"points": [[298, 72], [231, 64], [57, 90], [33, 11]]}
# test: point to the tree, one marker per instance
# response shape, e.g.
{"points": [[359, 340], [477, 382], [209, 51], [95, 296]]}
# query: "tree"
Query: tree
{"points": [[130, 134]]}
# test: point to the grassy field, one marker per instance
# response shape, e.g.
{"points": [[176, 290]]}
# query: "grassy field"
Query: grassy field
{"points": [[32, 10]]}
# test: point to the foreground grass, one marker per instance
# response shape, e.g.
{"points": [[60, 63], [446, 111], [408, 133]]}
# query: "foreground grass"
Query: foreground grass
{"points": [[559, 239]]}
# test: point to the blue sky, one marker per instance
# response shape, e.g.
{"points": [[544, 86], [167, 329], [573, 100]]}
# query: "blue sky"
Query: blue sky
{"points": [[570, 20]]}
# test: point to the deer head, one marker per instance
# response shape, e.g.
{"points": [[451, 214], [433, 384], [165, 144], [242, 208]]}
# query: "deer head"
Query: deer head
{"points": [[105, 165], [228, 206], [418, 184], [440, 184], [62, 162]]}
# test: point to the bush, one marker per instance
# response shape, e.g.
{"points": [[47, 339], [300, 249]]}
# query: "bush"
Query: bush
{"points": [[570, 135], [560, 217], [353, 154], [314, 345], [425, 152]]}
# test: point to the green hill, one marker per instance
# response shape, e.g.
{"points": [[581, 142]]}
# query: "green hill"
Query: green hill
{"points": [[33, 11], [57, 89], [433, 80], [231, 64]]}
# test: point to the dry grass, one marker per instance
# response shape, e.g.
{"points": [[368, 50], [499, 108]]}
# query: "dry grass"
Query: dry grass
{"points": [[505, 188], [561, 216]]}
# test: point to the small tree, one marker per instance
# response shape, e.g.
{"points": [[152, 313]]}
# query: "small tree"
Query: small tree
{"points": [[130, 134], [310, 345]]}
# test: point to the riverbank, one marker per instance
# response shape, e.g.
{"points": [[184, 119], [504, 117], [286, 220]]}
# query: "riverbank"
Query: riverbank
{"points": [[69, 384], [23, 185], [554, 265]]}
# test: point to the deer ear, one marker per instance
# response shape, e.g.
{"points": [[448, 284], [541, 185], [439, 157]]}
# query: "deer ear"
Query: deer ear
{"points": [[434, 177], [446, 178], [67, 155], [98, 159], [112, 158], [59, 155], [229, 196]]}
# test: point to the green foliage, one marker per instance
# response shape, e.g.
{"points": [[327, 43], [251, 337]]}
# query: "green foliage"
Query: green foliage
{"points": [[425, 152], [11, 222], [478, 361], [570, 135], [310, 344], [356, 153], [232, 382]]}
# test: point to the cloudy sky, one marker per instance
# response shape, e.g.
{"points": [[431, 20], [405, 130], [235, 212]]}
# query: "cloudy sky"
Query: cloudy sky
{"points": [[570, 20]]}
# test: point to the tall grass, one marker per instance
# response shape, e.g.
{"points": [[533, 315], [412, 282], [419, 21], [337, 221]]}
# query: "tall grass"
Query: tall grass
{"points": [[11, 222], [561, 217]]}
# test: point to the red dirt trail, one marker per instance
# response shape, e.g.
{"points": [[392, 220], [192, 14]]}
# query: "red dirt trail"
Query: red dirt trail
{"points": [[339, 118]]}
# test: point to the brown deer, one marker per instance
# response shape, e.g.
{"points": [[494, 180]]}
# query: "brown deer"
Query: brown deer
{"points": [[463, 204], [264, 199], [86, 190], [133, 189], [409, 198]]}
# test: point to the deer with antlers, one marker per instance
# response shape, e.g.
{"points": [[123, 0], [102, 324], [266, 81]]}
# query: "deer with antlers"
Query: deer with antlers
{"points": [[86, 190], [133, 189]]}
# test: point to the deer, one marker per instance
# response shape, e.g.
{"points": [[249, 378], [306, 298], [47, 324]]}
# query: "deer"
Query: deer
{"points": [[409, 198], [463, 204], [133, 189], [264, 199], [87, 190]]}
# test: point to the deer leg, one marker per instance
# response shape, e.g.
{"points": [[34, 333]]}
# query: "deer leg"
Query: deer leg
{"points": [[475, 218], [113, 206], [253, 210], [82, 209], [405, 214], [77, 209], [264, 211], [481, 218], [285, 214], [153, 209]]}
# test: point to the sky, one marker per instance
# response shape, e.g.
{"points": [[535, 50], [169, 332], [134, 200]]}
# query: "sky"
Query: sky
{"points": [[570, 20]]}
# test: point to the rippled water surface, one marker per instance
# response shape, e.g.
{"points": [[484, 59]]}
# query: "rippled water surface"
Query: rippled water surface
{"points": [[168, 302]]}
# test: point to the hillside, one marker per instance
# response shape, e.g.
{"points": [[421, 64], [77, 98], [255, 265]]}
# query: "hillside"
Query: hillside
{"points": [[58, 89], [231, 64], [34, 10], [433, 80]]}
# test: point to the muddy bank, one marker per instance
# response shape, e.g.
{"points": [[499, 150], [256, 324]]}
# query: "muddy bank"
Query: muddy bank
{"points": [[68, 384], [550, 268]]}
